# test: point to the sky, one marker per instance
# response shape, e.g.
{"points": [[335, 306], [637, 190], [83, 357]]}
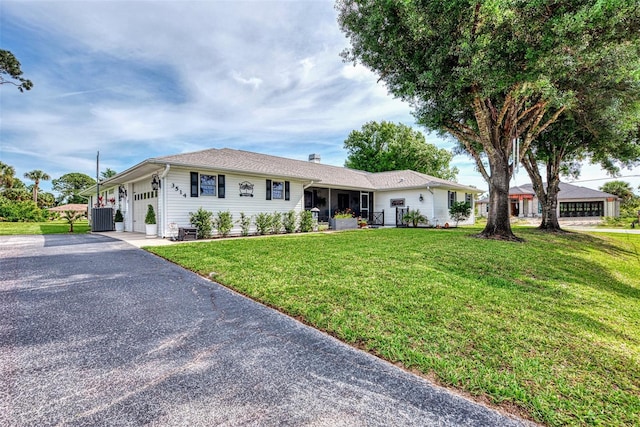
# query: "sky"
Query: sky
{"points": [[147, 78]]}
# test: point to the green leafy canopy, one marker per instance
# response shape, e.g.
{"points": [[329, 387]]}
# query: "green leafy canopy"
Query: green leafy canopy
{"points": [[386, 146]]}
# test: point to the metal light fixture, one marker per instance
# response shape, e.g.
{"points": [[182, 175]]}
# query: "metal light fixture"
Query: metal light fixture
{"points": [[421, 198], [122, 192], [155, 181]]}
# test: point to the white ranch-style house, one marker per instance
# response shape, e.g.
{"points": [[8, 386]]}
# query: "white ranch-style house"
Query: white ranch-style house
{"points": [[241, 181]]}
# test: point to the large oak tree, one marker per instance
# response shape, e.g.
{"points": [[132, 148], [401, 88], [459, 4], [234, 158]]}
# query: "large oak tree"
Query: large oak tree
{"points": [[487, 72]]}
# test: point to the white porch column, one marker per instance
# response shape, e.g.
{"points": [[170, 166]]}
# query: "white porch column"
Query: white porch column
{"points": [[521, 209]]}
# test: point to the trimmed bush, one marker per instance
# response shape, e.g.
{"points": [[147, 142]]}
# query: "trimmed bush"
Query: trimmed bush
{"points": [[202, 220], [263, 223], [276, 223], [245, 223], [223, 223], [289, 221], [306, 221]]}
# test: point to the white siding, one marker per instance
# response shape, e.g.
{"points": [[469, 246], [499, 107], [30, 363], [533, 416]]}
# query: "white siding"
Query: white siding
{"points": [[382, 201], [179, 203], [434, 206]]}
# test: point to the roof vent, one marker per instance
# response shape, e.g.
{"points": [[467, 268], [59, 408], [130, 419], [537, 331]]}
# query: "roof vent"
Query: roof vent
{"points": [[314, 158]]}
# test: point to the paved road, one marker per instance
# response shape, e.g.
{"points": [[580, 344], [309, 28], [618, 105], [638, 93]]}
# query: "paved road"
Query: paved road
{"points": [[96, 332]]}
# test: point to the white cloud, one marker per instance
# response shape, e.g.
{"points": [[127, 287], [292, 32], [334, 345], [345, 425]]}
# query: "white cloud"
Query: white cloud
{"points": [[255, 82], [140, 79]]}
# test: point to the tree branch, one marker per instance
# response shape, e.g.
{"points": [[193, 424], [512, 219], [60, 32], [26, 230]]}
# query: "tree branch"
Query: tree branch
{"points": [[462, 136]]}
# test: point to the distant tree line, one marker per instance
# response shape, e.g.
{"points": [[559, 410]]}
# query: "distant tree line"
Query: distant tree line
{"points": [[25, 202]]}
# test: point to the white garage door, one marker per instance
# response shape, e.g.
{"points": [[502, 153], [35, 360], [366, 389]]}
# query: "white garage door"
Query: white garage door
{"points": [[143, 195]]}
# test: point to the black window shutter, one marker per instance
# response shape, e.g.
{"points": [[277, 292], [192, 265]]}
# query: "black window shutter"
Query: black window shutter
{"points": [[268, 189], [287, 191], [194, 184], [221, 186]]}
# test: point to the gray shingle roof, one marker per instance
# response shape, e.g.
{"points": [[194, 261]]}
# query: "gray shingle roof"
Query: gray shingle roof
{"points": [[332, 176], [567, 192], [570, 191]]}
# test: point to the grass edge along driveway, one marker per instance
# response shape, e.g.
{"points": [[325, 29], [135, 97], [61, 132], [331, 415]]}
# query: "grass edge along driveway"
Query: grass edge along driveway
{"points": [[548, 329]]}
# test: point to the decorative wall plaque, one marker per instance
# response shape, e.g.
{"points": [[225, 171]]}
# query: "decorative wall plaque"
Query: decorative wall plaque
{"points": [[246, 189]]}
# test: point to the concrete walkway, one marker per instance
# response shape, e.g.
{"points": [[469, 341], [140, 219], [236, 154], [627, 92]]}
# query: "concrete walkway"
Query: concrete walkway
{"points": [[94, 331]]}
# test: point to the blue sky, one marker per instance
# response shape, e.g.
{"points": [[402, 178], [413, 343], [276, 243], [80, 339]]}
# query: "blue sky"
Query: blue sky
{"points": [[146, 78]]}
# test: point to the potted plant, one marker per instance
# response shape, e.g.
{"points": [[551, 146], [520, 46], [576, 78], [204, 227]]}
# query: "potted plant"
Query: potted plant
{"points": [[343, 220], [150, 220], [119, 220]]}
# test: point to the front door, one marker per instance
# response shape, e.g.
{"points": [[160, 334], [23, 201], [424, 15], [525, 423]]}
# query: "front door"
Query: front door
{"points": [[343, 202], [364, 205], [515, 208]]}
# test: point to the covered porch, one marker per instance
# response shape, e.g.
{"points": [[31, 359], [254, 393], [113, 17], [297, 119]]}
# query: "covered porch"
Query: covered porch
{"points": [[338, 200]]}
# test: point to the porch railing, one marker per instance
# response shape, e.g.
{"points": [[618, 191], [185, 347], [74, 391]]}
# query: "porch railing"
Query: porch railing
{"points": [[377, 218]]}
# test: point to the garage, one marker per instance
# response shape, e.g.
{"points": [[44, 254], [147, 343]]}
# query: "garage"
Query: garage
{"points": [[143, 195]]}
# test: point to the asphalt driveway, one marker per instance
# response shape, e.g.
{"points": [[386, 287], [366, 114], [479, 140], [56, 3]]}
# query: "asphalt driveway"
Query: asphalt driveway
{"points": [[96, 332]]}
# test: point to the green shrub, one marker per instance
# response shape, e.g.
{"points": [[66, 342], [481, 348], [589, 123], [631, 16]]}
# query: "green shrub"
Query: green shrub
{"points": [[21, 211], [276, 223], [223, 223], [202, 220], [289, 221], [306, 221], [118, 217], [263, 223], [151, 216], [245, 223], [610, 221], [459, 211], [414, 217]]}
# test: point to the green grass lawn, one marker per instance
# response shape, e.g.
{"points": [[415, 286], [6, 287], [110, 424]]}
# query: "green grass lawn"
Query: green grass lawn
{"points": [[548, 329], [49, 227]]}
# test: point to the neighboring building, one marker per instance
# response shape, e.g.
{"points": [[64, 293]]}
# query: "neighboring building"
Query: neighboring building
{"points": [[242, 181], [74, 207], [573, 202]]}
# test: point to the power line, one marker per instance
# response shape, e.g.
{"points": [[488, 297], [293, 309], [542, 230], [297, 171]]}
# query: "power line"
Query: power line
{"points": [[603, 179]]}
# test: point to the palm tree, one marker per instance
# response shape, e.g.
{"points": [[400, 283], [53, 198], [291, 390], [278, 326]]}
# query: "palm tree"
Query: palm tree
{"points": [[107, 174], [7, 173], [621, 189], [36, 176]]}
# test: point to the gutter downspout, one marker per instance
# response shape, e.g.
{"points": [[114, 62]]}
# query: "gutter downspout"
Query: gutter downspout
{"points": [[433, 204], [164, 199]]}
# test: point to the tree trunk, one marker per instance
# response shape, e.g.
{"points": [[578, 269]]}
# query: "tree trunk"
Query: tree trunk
{"points": [[520, 118], [498, 222], [550, 211], [548, 197]]}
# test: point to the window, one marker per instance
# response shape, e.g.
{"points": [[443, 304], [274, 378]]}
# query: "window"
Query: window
{"points": [[468, 197], [453, 198], [581, 209], [277, 190], [206, 185]]}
